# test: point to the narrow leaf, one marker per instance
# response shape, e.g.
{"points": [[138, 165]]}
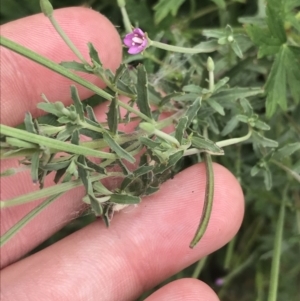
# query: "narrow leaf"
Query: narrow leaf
{"points": [[77, 102], [142, 91], [124, 199], [180, 128], [117, 148], [113, 116]]}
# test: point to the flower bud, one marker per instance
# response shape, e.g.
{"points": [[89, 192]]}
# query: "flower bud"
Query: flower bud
{"points": [[210, 64], [46, 7]]}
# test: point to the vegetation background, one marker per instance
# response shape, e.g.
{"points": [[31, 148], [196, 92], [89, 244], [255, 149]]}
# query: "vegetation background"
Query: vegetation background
{"points": [[242, 269]]}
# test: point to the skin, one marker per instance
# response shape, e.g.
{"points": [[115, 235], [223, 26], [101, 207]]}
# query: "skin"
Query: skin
{"points": [[145, 244]]}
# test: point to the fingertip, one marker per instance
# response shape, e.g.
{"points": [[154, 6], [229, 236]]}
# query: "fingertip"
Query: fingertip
{"points": [[187, 289], [23, 81]]}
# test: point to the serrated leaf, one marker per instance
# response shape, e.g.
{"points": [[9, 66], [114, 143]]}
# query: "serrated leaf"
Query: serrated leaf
{"points": [[29, 125], [113, 116], [165, 7], [267, 178], [261, 125], [35, 162], [148, 142], [180, 128], [75, 137], [99, 187], [276, 84], [142, 91], [230, 126], [124, 199], [288, 150], [94, 54], [275, 12], [206, 145], [236, 93], [236, 49], [122, 153], [90, 113], [222, 82], [192, 89], [193, 110], [263, 141], [84, 175], [268, 44], [77, 103], [95, 167], [216, 106], [76, 66]]}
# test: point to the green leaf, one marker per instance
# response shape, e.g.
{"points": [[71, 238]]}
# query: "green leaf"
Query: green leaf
{"points": [[268, 44], [220, 3], [276, 83], [124, 199], [90, 114], [206, 145], [94, 54], [230, 126], [35, 161], [267, 178], [117, 148], [84, 174], [142, 91], [75, 137], [236, 93], [193, 110], [236, 48], [180, 128], [275, 19], [29, 125], [76, 66], [113, 116], [165, 7], [288, 150], [216, 106], [263, 141], [99, 187], [77, 102]]}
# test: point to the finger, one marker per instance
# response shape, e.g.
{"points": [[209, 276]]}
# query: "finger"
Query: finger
{"points": [[143, 246], [23, 81], [184, 289]]}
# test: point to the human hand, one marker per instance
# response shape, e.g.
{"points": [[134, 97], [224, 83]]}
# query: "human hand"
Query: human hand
{"points": [[144, 245]]}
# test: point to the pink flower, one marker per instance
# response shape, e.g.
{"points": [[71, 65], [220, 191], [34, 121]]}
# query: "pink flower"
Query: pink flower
{"points": [[136, 41]]}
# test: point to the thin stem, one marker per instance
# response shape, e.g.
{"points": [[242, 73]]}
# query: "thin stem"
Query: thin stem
{"points": [[234, 140], [53, 143], [53, 66], [176, 48], [66, 73], [289, 171], [53, 190], [67, 39], [126, 20], [199, 267], [26, 219], [208, 201], [277, 250]]}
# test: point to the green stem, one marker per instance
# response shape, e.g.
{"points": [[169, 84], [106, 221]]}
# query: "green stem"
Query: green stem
{"points": [[208, 201], [66, 73], [234, 140], [126, 21], [229, 253], [26, 219], [52, 66], [176, 48], [273, 288], [53, 143], [289, 171], [199, 267], [67, 40], [53, 190]]}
